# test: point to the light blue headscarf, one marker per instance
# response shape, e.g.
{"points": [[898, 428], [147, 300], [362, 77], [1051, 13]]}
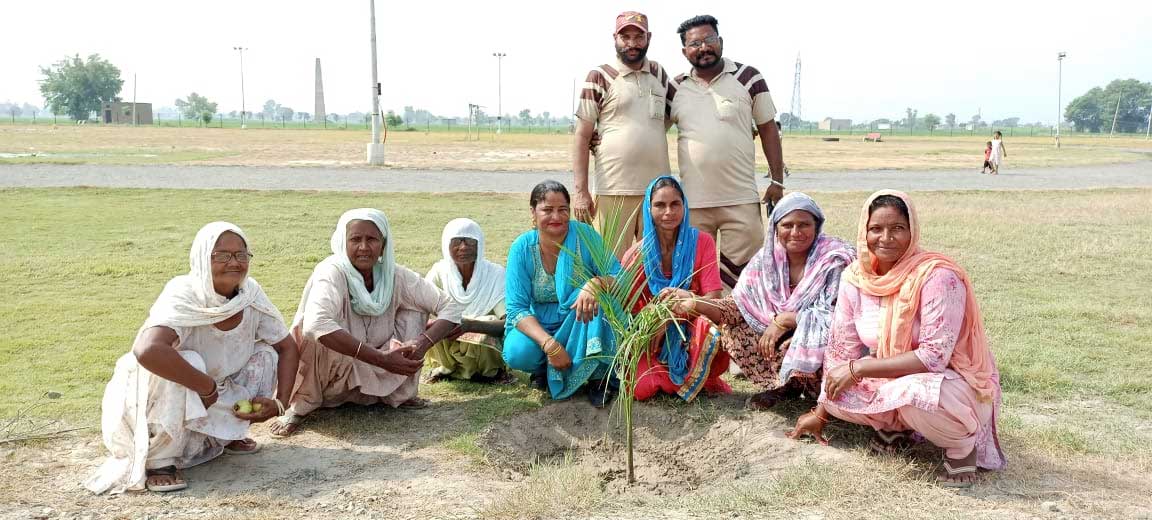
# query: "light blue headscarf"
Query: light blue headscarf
{"points": [[675, 351], [366, 303]]}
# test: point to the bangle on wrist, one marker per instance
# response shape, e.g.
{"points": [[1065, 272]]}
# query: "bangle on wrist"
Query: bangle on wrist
{"points": [[852, 371], [215, 391], [777, 323], [777, 183], [357, 354], [429, 338]]}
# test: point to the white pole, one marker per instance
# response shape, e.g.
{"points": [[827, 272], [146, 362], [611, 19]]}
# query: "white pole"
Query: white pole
{"points": [[135, 119], [1059, 93], [499, 90], [375, 148], [1148, 132], [1116, 114], [243, 107]]}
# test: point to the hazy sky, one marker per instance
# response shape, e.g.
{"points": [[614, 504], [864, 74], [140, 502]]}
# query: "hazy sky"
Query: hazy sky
{"points": [[861, 60]]}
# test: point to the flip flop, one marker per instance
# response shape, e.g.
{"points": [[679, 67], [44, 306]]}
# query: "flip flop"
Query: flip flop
{"points": [[291, 423], [167, 471], [950, 472], [890, 443], [255, 447], [415, 403]]}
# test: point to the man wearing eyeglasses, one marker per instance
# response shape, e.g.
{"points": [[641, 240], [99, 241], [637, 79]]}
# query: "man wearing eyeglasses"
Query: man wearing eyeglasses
{"points": [[626, 103], [718, 107]]}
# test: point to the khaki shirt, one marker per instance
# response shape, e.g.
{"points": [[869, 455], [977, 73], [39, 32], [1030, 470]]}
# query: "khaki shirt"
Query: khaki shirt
{"points": [[628, 108], [716, 150]]}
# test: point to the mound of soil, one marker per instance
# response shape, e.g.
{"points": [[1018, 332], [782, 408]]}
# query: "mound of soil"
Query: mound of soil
{"points": [[675, 448]]}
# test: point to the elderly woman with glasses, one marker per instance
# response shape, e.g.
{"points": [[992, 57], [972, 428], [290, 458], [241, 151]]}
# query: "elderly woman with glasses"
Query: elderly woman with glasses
{"points": [[211, 340]]}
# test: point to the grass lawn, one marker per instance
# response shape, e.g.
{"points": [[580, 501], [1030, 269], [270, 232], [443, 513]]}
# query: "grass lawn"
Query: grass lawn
{"points": [[1062, 278], [513, 151]]}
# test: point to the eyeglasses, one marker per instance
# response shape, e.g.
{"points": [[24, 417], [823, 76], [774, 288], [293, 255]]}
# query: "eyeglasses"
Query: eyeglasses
{"points": [[696, 44], [222, 257]]}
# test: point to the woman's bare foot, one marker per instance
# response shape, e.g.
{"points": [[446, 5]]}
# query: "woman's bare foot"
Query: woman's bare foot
{"points": [[415, 403], [958, 473]]}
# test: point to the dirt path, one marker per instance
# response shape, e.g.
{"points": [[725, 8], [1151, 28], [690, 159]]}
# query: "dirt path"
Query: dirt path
{"points": [[386, 180]]}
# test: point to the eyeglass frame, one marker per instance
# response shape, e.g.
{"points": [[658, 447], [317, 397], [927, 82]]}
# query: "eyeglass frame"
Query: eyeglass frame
{"points": [[229, 255], [696, 44]]}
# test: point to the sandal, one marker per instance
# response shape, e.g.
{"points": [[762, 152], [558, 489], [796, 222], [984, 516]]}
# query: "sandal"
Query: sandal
{"points": [[245, 446], [890, 443], [287, 425], [178, 482], [955, 469], [415, 403]]}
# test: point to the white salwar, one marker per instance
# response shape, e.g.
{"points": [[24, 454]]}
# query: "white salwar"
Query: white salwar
{"points": [[150, 422]]}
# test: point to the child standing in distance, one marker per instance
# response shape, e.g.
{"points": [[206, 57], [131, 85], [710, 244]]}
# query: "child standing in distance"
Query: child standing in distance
{"points": [[998, 152], [987, 153]]}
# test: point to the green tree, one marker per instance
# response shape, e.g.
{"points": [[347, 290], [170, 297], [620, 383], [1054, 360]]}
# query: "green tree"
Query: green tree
{"points": [[1094, 110], [950, 120], [931, 121], [78, 87], [197, 107], [393, 120], [911, 117]]}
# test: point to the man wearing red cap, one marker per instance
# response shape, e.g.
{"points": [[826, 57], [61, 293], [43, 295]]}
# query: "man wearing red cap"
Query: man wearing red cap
{"points": [[627, 103], [717, 107]]}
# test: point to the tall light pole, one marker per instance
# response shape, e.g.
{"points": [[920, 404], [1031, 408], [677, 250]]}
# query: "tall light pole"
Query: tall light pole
{"points": [[243, 108], [1059, 93], [1148, 131], [375, 148], [499, 90]]}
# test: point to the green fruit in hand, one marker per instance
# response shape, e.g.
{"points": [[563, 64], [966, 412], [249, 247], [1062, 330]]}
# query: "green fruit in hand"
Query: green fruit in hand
{"points": [[256, 407], [243, 406]]}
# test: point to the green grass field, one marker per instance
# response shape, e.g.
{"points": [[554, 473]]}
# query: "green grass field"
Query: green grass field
{"points": [[1062, 278]]}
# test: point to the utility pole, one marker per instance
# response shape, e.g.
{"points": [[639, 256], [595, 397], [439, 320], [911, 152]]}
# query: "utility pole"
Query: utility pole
{"points": [[499, 90], [243, 108], [1059, 93], [375, 148]]}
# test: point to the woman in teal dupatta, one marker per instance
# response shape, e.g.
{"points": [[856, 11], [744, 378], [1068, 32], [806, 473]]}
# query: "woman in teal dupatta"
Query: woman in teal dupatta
{"points": [[554, 329]]}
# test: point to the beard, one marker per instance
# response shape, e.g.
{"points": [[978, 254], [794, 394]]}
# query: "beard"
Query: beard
{"points": [[622, 53], [698, 60]]}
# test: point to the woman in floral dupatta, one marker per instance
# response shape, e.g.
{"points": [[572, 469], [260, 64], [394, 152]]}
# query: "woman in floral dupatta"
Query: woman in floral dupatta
{"points": [[908, 351], [785, 298], [554, 330], [679, 263]]}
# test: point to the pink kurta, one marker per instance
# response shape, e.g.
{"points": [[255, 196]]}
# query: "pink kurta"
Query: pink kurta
{"points": [[939, 404]]}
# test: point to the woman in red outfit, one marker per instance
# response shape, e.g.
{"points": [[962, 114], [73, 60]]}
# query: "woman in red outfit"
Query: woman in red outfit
{"points": [[679, 263]]}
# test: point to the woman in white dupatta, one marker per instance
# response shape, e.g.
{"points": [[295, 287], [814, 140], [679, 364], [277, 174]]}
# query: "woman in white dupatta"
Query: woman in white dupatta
{"points": [[361, 324], [211, 339], [478, 285]]}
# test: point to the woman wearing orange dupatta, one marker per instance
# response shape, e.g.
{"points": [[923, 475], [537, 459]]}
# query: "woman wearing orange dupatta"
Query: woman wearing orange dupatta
{"points": [[907, 352]]}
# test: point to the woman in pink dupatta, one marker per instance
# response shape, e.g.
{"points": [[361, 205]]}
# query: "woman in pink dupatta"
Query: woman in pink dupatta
{"points": [[781, 308], [908, 351]]}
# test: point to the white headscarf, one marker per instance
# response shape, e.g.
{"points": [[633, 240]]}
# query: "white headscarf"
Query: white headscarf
{"points": [[190, 300], [366, 303], [486, 288]]}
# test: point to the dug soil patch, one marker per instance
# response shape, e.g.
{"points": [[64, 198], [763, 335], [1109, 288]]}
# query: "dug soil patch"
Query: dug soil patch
{"points": [[677, 448]]}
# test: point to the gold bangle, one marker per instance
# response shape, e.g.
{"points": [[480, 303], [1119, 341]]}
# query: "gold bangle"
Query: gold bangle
{"points": [[852, 371], [777, 323], [356, 356]]}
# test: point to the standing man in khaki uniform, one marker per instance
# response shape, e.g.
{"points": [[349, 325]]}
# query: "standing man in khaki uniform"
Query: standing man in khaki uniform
{"points": [[715, 107], [626, 102]]}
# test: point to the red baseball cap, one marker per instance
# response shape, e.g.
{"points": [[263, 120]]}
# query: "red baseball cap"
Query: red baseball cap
{"points": [[633, 19]]}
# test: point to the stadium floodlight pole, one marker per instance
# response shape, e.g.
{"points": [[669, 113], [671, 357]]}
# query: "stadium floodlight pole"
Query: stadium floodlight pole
{"points": [[1059, 93], [375, 148], [243, 108], [499, 90]]}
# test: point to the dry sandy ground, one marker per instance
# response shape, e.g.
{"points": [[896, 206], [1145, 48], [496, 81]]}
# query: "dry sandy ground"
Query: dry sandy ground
{"points": [[509, 152], [705, 461]]}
